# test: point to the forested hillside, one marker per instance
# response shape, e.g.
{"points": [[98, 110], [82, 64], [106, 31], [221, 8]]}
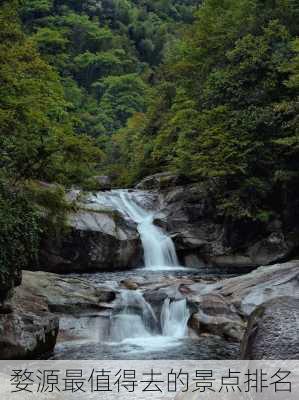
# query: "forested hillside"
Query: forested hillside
{"points": [[190, 109], [72, 73], [127, 88], [226, 108], [105, 53]]}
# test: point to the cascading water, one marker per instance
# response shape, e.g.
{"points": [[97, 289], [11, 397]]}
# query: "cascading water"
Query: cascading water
{"points": [[133, 320], [158, 248], [174, 318], [134, 317], [128, 327]]}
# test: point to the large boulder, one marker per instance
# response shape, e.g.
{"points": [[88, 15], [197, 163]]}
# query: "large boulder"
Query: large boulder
{"points": [[28, 329], [67, 294], [217, 316], [248, 291], [202, 237], [272, 331], [267, 250], [30, 325], [98, 239], [223, 307]]}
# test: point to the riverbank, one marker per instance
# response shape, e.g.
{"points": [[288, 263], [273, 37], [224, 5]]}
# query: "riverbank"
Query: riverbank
{"points": [[223, 313], [140, 284]]}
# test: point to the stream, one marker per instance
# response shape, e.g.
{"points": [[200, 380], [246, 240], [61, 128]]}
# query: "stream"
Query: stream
{"points": [[135, 327]]}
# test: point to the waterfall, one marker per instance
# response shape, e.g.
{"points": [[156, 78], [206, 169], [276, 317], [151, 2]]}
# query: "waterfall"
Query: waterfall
{"points": [[134, 317], [158, 248], [174, 318], [135, 321]]}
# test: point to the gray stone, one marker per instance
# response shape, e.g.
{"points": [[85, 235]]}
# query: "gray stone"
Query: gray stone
{"points": [[29, 329], [217, 316], [97, 240], [103, 182], [222, 307], [189, 214], [272, 331], [249, 291], [67, 294], [129, 284]]}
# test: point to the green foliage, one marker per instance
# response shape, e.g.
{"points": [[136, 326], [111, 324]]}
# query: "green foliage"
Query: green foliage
{"points": [[128, 157], [37, 142], [121, 97], [37, 8], [90, 43], [226, 106], [51, 206], [19, 235], [72, 73], [37, 138], [206, 89]]}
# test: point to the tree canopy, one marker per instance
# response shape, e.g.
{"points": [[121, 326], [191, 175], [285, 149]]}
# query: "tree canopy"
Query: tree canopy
{"points": [[226, 106]]}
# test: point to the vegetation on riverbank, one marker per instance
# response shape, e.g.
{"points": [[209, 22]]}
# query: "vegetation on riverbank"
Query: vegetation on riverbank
{"points": [[226, 106], [128, 88]]}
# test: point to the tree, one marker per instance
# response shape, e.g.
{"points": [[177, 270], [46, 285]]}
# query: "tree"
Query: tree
{"points": [[37, 135], [122, 96], [226, 105]]}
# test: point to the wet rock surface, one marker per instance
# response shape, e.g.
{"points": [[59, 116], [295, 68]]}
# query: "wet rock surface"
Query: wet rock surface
{"points": [[224, 307], [219, 310], [29, 329], [201, 236], [217, 316], [67, 294], [272, 331], [98, 239]]}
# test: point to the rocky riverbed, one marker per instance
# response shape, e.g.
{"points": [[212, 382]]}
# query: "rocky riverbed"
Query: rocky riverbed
{"points": [[196, 278], [226, 314], [100, 238]]}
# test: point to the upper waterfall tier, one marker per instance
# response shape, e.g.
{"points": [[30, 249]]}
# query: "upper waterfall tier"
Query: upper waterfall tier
{"points": [[158, 248]]}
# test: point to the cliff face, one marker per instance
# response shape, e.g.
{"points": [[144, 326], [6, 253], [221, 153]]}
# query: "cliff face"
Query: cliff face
{"points": [[97, 239], [189, 214]]}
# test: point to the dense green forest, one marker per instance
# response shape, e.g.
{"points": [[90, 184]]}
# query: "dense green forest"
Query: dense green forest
{"points": [[207, 89], [225, 108], [72, 73]]}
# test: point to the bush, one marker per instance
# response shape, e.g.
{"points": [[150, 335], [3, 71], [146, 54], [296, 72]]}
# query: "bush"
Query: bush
{"points": [[19, 236]]}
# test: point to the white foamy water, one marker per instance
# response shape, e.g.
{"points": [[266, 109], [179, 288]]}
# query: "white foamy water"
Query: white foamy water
{"points": [[174, 318], [158, 248], [134, 322], [134, 318]]}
